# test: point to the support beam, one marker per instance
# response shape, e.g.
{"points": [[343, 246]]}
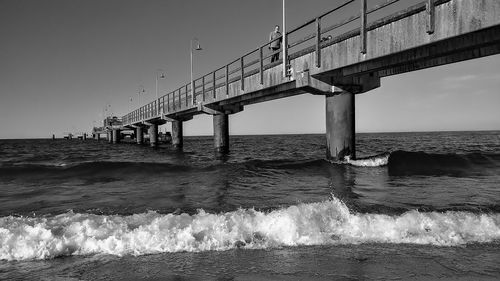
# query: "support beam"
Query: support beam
{"points": [[177, 138], [139, 133], [340, 126], [116, 136], [221, 133], [153, 135]]}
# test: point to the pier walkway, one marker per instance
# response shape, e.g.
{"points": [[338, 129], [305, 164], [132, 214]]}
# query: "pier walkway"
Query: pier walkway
{"points": [[359, 52]]}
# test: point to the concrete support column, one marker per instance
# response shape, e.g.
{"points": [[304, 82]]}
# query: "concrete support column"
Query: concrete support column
{"points": [[139, 135], [110, 136], [221, 133], [98, 136], [153, 135], [177, 138], [85, 136], [340, 131], [116, 136]]}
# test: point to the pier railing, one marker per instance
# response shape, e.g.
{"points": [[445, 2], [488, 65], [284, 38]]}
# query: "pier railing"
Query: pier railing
{"points": [[308, 37]]}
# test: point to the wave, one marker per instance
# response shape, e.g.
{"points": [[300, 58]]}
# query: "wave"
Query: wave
{"points": [[120, 168], [398, 163], [89, 168], [372, 161], [421, 163], [323, 223]]}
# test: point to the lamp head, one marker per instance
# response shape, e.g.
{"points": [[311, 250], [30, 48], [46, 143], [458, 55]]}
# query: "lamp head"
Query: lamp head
{"points": [[198, 47]]}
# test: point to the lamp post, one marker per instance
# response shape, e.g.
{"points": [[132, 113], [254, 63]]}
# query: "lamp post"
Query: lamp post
{"points": [[141, 91], [198, 48], [159, 75], [284, 42]]}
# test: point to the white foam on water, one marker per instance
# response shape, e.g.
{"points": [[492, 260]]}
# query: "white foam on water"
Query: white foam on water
{"points": [[376, 161], [320, 223]]}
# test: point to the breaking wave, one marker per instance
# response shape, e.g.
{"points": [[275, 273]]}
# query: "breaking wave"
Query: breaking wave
{"points": [[322, 223], [373, 161], [422, 163]]}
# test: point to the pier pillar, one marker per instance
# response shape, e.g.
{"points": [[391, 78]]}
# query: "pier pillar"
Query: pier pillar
{"points": [[98, 136], [177, 138], [109, 136], [116, 136], [139, 135], [221, 133], [153, 135], [340, 131], [85, 136]]}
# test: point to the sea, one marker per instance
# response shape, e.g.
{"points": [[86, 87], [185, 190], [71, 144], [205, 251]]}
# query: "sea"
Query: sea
{"points": [[411, 206]]}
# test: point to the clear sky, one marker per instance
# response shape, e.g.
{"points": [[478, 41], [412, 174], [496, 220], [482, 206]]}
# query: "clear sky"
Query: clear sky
{"points": [[63, 61]]}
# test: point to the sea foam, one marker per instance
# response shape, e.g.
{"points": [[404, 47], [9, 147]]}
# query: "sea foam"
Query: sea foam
{"points": [[374, 161], [322, 223]]}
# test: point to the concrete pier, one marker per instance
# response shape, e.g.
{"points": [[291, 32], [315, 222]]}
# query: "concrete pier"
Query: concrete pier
{"points": [[85, 136], [340, 126], [116, 136], [221, 133], [98, 136], [139, 135], [177, 137], [109, 136], [410, 38], [153, 135]]}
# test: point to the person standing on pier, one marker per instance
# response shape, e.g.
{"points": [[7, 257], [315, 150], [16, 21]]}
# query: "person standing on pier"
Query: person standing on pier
{"points": [[275, 44]]}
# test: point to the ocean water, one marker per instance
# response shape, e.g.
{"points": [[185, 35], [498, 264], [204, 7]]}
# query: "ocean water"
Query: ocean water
{"points": [[419, 206]]}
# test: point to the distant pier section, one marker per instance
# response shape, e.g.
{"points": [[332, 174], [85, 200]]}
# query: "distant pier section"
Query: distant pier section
{"points": [[326, 56]]}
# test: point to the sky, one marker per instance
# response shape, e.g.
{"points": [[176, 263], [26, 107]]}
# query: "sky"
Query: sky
{"points": [[63, 61]]}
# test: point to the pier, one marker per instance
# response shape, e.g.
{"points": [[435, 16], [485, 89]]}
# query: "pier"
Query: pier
{"points": [[350, 62]]}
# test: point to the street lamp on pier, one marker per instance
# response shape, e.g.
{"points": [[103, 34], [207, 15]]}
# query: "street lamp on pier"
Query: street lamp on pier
{"points": [[141, 91], [198, 48], [159, 75]]}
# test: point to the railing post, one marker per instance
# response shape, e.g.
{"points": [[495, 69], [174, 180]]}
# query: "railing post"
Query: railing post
{"points": [[227, 80], [214, 84], [363, 27], [203, 87], [162, 111], [168, 102], [318, 42], [261, 66], [430, 16], [187, 98], [285, 54], [242, 62], [180, 99], [193, 92]]}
